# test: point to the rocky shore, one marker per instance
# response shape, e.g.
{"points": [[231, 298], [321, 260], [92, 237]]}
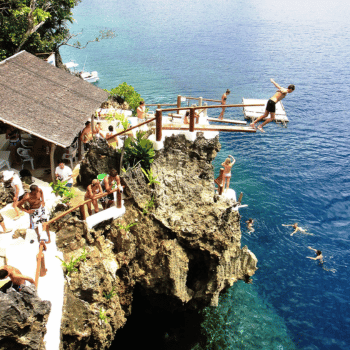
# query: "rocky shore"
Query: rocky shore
{"points": [[176, 249]]}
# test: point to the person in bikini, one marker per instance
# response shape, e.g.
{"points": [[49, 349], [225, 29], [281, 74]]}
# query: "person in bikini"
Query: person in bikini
{"points": [[36, 211], [91, 192], [227, 164], [223, 102], [297, 228], [141, 112], [280, 94]]}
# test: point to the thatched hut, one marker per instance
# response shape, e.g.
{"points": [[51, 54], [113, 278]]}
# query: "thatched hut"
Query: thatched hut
{"points": [[46, 101]]}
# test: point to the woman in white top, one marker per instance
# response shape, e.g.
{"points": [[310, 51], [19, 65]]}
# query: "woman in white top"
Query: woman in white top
{"points": [[16, 184]]}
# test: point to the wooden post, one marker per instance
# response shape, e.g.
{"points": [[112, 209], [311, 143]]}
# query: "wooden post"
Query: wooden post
{"points": [[80, 148], [119, 199], [158, 125], [221, 186], [240, 198], [178, 104], [40, 264], [92, 125], [192, 112], [82, 211], [52, 162], [200, 103]]}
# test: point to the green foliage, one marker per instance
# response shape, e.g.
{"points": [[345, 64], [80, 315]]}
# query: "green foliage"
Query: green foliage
{"points": [[110, 294], [150, 177], [103, 315], [149, 206], [34, 26], [128, 93], [59, 188], [72, 265], [139, 150], [127, 227]]}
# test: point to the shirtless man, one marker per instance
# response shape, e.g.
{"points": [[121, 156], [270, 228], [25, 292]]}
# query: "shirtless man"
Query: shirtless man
{"points": [[37, 213], [280, 94], [107, 185], [318, 257], [17, 279], [223, 102], [227, 164], [86, 135], [141, 111], [297, 228]]}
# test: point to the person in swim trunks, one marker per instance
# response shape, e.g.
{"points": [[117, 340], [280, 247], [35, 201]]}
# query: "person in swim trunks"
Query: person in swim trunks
{"points": [[37, 213], [298, 229], [17, 279], [227, 164], [280, 94], [223, 102], [319, 255], [107, 185]]}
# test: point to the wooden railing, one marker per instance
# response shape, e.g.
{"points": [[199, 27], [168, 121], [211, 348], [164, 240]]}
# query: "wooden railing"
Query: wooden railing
{"points": [[81, 206]]}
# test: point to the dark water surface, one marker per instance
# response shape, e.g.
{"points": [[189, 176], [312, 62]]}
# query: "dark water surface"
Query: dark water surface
{"points": [[298, 174]]}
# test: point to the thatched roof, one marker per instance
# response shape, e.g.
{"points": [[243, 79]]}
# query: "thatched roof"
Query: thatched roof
{"points": [[44, 100]]}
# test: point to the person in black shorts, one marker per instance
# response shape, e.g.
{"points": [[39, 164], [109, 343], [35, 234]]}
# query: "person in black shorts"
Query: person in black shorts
{"points": [[280, 94]]}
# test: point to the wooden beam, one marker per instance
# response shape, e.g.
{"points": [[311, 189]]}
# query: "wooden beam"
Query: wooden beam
{"points": [[52, 162], [210, 128], [208, 107], [228, 121]]}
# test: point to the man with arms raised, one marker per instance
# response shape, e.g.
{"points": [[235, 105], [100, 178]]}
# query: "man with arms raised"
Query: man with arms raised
{"points": [[280, 94]]}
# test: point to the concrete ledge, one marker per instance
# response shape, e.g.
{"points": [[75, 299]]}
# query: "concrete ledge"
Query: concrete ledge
{"points": [[110, 213]]}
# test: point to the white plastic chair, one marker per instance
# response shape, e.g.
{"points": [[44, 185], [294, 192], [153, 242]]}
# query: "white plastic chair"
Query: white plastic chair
{"points": [[71, 153], [25, 156], [27, 143]]}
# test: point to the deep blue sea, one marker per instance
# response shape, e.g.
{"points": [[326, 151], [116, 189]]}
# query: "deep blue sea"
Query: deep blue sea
{"points": [[296, 174]]}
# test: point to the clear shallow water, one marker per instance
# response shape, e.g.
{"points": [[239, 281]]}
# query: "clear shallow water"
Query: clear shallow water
{"points": [[301, 173]]}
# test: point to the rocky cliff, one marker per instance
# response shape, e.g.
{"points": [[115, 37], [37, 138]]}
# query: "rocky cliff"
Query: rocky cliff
{"points": [[178, 246]]}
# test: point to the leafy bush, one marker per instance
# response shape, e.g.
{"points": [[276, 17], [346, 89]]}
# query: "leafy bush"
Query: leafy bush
{"points": [[139, 150], [72, 265], [59, 188], [128, 93]]}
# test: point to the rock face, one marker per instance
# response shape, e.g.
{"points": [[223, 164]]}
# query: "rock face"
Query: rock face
{"points": [[178, 243], [23, 318]]}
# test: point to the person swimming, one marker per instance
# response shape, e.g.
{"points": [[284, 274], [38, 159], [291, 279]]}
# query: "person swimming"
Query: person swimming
{"points": [[298, 229], [319, 255], [250, 223]]}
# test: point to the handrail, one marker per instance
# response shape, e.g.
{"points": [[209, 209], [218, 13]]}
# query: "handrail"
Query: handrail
{"points": [[207, 107], [131, 128], [46, 225], [203, 99]]}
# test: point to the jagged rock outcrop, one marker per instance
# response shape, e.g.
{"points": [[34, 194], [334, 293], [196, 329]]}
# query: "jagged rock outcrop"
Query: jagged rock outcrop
{"points": [[182, 250], [99, 159], [23, 318]]}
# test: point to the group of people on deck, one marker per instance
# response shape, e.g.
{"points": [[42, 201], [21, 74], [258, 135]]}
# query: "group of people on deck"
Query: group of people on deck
{"points": [[87, 135]]}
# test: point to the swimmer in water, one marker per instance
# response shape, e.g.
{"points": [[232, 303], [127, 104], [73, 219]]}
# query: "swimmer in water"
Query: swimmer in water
{"points": [[250, 223], [297, 228], [319, 255]]}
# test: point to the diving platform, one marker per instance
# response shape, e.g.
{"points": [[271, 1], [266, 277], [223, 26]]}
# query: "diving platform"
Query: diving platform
{"points": [[253, 112]]}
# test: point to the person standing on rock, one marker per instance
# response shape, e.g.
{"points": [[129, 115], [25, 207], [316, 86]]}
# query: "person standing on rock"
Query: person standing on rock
{"points": [[64, 173], [223, 102], [17, 280], [107, 185], [227, 164], [16, 184], [37, 212]]}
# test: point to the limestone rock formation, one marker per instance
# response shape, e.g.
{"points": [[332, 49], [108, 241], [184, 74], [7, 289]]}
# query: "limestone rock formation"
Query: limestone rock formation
{"points": [[23, 318], [178, 242]]}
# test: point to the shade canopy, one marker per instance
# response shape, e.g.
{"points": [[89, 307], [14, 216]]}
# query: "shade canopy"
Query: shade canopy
{"points": [[44, 100]]}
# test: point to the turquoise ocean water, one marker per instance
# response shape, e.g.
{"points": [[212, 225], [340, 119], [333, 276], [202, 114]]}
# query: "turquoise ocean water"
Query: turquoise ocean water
{"points": [[295, 174]]}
